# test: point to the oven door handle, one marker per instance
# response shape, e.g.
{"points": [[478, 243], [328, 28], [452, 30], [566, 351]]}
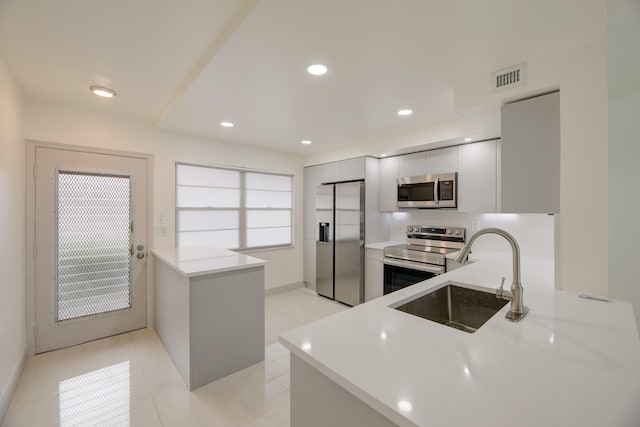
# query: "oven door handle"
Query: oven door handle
{"points": [[414, 266]]}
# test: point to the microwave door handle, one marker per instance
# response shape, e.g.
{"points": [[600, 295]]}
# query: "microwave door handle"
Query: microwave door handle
{"points": [[436, 185]]}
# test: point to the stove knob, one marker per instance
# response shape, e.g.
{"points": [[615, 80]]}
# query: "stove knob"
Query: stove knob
{"points": [[449, 231], [458, 232]]}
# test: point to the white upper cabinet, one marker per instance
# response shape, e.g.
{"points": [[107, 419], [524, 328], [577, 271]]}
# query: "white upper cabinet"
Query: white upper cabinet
{"points": [[412, 165], [328, 172], [530, 155], [444, 160], [477, 182], [388, 187], [352, 169]]}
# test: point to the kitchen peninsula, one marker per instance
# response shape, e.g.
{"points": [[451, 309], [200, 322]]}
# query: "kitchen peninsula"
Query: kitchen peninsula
{"points": [[570, 361], [209, 311]]}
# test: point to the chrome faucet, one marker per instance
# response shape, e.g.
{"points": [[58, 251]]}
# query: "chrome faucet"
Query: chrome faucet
{"points": [[518, 310]]}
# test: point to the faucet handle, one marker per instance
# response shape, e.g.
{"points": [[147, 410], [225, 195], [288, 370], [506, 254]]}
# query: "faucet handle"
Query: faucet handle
{"points": [[500, 291]]}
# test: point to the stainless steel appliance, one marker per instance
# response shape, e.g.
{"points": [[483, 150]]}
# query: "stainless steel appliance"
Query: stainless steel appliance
{"points": [[422, 257], [428, 191], [340, 242]]}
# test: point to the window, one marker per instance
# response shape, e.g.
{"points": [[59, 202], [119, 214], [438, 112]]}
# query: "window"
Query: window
{"points": [[233, 209]]}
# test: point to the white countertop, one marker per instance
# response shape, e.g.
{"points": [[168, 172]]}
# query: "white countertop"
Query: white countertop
{"points": [[569, 362], [202, 260], [381, 245]]}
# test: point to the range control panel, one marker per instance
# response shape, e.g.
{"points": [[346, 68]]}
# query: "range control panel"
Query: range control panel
{"points": [[435, 232]]}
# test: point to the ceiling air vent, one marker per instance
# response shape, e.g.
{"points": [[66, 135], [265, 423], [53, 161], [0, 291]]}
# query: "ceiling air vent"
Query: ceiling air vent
{"points": [[509, 77]]}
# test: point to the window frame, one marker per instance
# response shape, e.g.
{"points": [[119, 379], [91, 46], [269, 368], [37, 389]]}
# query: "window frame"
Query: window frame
{"points": [[242, 209]]}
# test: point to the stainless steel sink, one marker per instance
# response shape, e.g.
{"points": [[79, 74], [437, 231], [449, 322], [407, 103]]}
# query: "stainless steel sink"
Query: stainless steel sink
{"points": [[460, 306]]}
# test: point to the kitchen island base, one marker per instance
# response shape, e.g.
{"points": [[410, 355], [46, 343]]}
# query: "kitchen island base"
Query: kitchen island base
{"points": [[317, 401], [211, 325]]}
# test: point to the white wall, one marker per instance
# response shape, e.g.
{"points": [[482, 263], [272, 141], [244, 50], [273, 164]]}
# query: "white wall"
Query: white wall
{"points": [[52, 123], [13, 339], [623, 31]]}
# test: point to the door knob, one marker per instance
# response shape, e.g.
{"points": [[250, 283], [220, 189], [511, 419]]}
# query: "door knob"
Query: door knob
{"points": [[140, 247], [140, 255]]}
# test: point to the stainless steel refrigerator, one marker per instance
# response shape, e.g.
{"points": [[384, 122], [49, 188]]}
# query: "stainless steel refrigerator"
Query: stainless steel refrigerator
{"points": [[340, 242]]}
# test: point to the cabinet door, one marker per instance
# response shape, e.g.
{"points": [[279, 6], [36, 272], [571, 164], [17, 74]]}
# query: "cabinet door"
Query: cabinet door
{"points": [[388, 185], [329, 172], [444, 160], [352, 169], [412, 165], [309, 263], [374, 274], [477, 168], [530, 157], [311, 181]]}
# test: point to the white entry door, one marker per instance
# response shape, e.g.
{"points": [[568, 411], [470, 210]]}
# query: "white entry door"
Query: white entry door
{"points": [[90, 246]]}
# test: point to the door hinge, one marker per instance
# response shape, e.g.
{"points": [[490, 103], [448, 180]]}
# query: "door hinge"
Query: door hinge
{"points": [[131, 226], [35, 171], [35, 330], [35, 250]]}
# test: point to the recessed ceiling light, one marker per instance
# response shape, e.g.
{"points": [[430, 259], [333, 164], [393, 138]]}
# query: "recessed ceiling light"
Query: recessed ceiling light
{"points": [[317, 69], [226, 124], [405, 406], [405, 112], [468, 139], [102, 91], [383, 155], [306, 142]]}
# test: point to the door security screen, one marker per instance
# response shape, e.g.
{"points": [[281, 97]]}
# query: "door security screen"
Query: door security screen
{"points": [[94, 232]]}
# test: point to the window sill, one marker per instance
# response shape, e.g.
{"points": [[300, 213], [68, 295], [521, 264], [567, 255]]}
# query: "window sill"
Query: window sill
{"points": [[264, 249]]}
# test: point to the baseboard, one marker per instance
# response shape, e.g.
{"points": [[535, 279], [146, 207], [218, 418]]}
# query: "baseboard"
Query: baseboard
{"points": [[283, 288], [12, 384]]}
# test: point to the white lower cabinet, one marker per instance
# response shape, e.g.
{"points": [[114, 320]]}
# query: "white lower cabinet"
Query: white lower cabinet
{"points": [[374, 274]]}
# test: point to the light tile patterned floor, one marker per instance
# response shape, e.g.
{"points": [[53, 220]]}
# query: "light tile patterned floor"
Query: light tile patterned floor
{"points": [[129, 379]]}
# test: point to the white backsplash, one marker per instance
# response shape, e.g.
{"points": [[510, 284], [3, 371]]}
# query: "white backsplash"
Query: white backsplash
{"points": [[534, 232]]}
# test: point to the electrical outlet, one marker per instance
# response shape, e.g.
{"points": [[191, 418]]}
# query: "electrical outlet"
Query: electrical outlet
{"points": [[475, 225]]}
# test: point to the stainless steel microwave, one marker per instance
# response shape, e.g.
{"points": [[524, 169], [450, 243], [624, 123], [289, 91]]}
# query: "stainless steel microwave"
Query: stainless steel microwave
{"points": [[428, 191]]}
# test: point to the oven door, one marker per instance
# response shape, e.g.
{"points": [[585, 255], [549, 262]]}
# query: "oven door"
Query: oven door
{"points": [[399, 274]]}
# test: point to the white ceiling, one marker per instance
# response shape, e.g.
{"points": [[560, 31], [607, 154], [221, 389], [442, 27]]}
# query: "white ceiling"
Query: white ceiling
{"points": [[185, 66]]}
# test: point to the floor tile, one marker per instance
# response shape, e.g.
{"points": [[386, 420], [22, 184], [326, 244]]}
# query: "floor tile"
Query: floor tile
{"points": [[129, 379]]}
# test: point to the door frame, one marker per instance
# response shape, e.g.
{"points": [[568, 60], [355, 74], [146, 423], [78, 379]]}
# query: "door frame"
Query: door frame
{"points": [[31, 146]]}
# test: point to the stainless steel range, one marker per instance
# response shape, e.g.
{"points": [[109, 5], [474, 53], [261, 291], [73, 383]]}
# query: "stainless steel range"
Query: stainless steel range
{"points": [[422, 257]]}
